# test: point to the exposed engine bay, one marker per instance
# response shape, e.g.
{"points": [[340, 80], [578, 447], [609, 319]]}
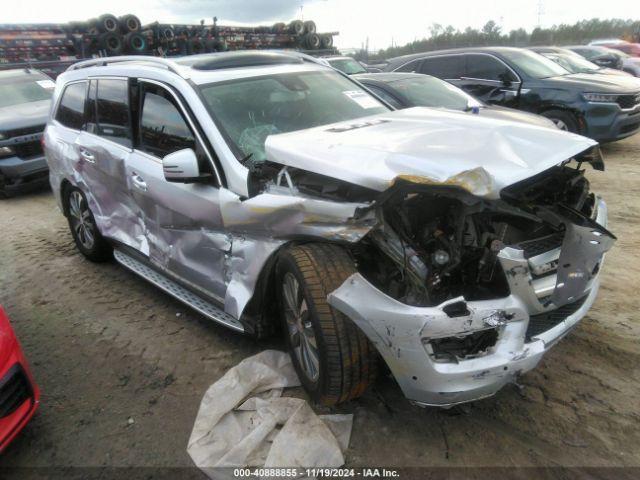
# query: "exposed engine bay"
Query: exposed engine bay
{"points": [[440, 243], [431, 243]]}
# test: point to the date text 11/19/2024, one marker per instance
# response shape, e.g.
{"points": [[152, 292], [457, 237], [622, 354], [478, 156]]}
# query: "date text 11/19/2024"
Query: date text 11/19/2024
{"points": [[315, 472]]}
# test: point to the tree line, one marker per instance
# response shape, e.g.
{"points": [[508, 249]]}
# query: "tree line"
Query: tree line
{"points": [[441, 37]]}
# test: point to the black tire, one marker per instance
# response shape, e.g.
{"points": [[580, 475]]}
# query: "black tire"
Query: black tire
{"points": [[129, 23], [564, 120], [167, 33], [135, 43], [99, 250], [278, 27], [310, 26], [111, 43], [296, 27], [346, 360], [326, 41], [311, 41], [108, 23], [92, 27]]}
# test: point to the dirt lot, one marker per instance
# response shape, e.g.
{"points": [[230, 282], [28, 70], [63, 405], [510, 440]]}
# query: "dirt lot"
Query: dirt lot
{"points": [[123, 367]]}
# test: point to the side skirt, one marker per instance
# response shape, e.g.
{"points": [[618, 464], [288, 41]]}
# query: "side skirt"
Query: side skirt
{"points": [[197, 302]]}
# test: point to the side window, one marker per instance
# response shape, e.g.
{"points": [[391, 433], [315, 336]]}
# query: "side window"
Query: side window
{"points": [[409, 67], [485, 67], [112, 110], [444, 67], [71, 108], [163, 129], [385, 96]]}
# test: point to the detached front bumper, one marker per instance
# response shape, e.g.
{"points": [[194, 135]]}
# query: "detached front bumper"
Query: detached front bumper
{"points": [[525, 323]]}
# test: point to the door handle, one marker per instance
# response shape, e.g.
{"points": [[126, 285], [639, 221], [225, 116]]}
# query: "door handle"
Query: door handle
{"points": [[87, 155], [138, 182]]}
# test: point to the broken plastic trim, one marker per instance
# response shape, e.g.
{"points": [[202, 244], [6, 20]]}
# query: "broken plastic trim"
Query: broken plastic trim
{"points": [[593, 156]]}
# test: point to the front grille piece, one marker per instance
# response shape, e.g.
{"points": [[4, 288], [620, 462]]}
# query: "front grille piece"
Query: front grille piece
{"points": [[541, 245], [15, 389], [546, 321]]}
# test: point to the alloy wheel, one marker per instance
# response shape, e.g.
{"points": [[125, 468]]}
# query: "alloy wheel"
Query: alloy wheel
{"points": [[299, 326], [81, 220], [560, 124]]}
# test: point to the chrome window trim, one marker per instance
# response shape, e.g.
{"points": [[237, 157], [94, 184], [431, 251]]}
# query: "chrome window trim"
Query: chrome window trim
{"points": [[416, 60], [192, 125]]}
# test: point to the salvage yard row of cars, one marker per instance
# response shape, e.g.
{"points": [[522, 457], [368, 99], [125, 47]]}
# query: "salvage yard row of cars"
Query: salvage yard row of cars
{"points": [[426, 215]]}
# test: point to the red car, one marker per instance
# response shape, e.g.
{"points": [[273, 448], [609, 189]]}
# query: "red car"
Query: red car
{"points": [[19, 395], [632, 49]]}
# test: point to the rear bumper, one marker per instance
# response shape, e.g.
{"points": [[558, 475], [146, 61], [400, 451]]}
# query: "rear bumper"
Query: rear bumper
{"points": [[19, 174], [404, 334]]}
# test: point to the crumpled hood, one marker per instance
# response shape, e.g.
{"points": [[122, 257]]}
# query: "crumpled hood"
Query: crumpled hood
{"points": [[481, 155]]}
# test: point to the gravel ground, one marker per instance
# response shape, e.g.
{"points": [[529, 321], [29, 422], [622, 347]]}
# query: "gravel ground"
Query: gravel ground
{"points": [[122, 366]]}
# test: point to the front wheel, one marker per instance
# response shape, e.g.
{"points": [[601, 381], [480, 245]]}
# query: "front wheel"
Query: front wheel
{"points": [[84, 229], [333, 358], [564, 120]]}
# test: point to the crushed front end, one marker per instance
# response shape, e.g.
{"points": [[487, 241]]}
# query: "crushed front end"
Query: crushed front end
{"points": [[461, 293]]}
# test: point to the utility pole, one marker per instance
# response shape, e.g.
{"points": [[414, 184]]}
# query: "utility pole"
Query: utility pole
{"points": [[540, 12]]}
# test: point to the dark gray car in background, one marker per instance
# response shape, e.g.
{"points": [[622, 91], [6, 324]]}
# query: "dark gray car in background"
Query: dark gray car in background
{"points": [[406, 90], [602, 107], [25, 99]]}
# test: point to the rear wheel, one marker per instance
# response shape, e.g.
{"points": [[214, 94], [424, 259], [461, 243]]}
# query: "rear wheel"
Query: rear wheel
{"points": [[333, 358], [83, 228], [564, 120]]}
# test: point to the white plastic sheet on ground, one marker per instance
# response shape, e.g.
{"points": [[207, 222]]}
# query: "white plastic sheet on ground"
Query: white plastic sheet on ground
{"points": [[244, 422]]}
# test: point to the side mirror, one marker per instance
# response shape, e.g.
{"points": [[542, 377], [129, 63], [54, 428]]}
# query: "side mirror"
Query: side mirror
{"points": [[505, 78], [181, 166]]}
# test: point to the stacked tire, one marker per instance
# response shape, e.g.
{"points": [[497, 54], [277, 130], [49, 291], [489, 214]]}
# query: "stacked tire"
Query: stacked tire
{"points": [[116, 35]]}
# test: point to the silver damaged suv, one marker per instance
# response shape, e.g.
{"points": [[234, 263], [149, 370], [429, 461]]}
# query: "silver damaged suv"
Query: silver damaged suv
{"points": [[270, 192]]}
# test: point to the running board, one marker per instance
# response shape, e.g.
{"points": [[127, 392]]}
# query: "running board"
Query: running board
{"points": [[187, 297]]}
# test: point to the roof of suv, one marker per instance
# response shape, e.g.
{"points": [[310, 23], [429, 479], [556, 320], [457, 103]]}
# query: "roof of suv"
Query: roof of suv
{"points": [[197, 66], [398, 61]]}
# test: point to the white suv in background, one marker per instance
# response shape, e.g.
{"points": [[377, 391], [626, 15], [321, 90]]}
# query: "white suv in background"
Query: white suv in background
{"points": [[267, 190]]}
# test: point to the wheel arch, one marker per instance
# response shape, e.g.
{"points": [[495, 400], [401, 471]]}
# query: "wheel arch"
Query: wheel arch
{"points": [[65, 186], [261, 312], [577, 114]]}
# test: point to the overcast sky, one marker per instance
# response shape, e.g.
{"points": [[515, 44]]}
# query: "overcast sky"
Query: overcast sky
{"points": [[382, 22]]}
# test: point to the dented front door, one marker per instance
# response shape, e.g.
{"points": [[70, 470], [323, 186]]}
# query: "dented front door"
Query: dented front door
{"points": [[183, 225]]}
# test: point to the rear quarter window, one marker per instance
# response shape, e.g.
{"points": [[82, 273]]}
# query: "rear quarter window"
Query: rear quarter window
{"points": [[70, 111]]}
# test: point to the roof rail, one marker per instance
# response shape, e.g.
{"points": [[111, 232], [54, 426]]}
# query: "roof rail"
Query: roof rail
{"points": [[104, 61]]}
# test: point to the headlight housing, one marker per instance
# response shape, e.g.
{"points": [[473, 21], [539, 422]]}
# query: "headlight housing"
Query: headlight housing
{"points": [[6, 152], [601, 97]]}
